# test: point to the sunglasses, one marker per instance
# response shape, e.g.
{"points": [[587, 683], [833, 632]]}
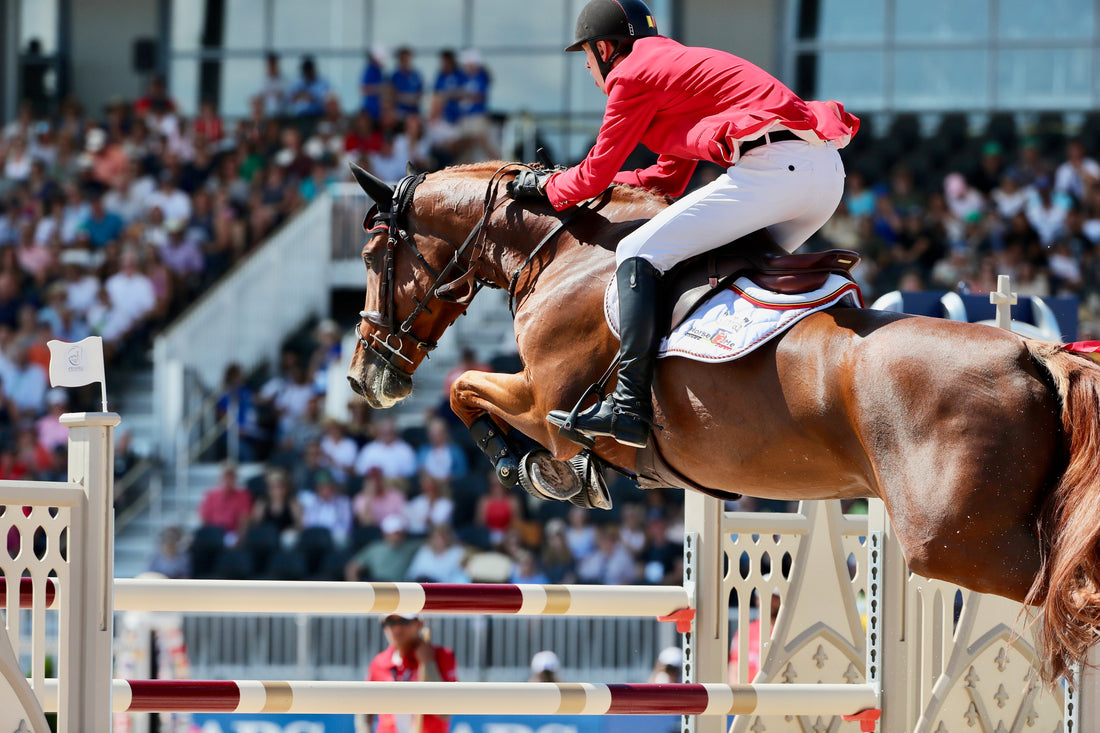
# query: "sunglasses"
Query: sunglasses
{"points": [[397, 621]]}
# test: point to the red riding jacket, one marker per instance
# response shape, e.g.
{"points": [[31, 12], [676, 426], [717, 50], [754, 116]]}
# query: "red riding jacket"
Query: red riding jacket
{"points": [[688, 104]]}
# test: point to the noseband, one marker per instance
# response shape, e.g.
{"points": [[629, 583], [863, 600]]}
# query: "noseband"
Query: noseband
{"points": [[394, 223]]}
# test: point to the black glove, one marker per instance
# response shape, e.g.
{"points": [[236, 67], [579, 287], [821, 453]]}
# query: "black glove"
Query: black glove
{"points": [[529, 184]]}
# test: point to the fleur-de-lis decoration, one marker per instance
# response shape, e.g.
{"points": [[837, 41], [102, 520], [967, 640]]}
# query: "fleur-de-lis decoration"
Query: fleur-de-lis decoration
{"points": [[972, 716]]}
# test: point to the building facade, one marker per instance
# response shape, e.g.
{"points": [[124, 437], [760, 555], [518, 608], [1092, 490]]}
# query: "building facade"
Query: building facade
{"points": [[878, 56]]}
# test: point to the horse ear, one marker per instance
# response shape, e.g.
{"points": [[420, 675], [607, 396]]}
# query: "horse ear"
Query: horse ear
{"points": [[410, 169], [378, 190]]}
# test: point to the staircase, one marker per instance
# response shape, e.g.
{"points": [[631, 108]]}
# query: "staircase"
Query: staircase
{"points": [[131, 396]]}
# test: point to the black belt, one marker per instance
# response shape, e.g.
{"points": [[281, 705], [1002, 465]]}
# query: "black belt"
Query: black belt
{"points": [[771, 137]]}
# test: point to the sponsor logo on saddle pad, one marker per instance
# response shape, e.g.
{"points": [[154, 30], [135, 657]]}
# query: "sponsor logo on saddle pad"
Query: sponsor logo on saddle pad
{"points": [[740, 319]]}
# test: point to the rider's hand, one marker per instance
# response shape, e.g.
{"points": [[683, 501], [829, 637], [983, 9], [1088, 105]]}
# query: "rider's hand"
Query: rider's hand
{"points": [[529, 184]]}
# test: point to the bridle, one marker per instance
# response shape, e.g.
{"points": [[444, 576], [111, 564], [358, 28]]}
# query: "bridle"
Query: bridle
{"points": [[392, 220]]}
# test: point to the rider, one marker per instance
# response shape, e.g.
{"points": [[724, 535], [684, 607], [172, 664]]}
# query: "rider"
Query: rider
{"points": [[687, 104]]}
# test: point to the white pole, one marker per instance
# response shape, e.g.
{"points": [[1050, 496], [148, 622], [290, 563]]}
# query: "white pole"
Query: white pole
{"points": [[706, 648], [332, 597], [91, 464], [483, 698]]}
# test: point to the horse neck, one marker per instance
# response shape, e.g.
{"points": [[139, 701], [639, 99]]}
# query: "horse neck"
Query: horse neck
{"points": [[510, 258], [512, 232]]}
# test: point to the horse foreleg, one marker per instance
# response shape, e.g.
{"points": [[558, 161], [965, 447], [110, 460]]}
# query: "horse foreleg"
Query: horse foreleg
{"points": [[511, 402]]}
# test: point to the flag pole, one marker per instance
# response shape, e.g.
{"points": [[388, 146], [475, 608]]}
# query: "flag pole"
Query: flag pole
{"points": [[103, 393]]}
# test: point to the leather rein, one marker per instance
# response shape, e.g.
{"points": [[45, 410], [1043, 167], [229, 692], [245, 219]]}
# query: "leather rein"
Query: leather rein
{"points": [[393, 222]]}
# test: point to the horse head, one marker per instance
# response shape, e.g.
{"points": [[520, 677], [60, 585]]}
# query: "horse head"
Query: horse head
{"points": [[418, 282]]}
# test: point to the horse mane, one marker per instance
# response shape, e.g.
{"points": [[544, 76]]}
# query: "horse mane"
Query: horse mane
{"points": [[623, 196]]}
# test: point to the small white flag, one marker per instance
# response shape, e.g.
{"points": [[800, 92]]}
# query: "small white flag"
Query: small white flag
{"points": [[74, 365]]}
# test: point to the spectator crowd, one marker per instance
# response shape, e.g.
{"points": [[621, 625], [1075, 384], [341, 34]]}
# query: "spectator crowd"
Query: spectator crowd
{"points": [[953, 207], [112, 221]]}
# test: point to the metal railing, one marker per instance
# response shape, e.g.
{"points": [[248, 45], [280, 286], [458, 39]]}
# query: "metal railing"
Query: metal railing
{"points": [[487, 648]]}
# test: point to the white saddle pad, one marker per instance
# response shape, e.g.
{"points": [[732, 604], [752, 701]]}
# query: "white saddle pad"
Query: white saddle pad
{"points": [[739, 319]]}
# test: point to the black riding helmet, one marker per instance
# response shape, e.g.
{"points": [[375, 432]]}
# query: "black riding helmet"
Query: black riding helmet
{"points": [[612, 20]]}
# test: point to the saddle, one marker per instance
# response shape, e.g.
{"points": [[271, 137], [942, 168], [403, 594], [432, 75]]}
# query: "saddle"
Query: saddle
{"points": [[757, 257]]}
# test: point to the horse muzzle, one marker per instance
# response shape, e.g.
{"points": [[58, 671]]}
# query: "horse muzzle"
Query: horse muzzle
{"points": [[376, 381]]}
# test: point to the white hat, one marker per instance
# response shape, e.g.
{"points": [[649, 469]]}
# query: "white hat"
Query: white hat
{"points": [[284, 157], [671, 656], [406, 616], [314, 148], [393, 523], [95, 140], [470, 57], [544, 661]]}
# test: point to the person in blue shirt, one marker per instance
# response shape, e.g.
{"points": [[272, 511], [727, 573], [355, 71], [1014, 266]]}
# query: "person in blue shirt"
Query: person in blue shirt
{"points": [[474, 134], [372, 84], [237, 396], [102, 226], [407, 84], [307, 96], [475, 98], [450, 87]]}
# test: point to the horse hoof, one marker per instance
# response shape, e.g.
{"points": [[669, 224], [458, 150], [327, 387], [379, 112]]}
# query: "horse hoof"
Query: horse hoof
{"points": [[544, 477], [594, 494]]}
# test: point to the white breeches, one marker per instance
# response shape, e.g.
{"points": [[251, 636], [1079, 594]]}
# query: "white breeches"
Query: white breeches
{"points": [[791, 188]]}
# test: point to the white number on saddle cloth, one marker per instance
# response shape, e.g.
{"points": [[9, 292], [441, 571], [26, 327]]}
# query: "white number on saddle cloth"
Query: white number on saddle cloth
{"points": [[741, 318]]}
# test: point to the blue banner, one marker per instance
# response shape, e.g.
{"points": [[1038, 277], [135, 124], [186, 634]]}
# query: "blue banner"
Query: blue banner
{"points": [[233, 723]]}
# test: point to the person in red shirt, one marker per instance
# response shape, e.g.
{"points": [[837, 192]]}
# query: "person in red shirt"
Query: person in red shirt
{"points": [[156, 99], [227, 505], [208, 124], [410, 657], [687, 104]]}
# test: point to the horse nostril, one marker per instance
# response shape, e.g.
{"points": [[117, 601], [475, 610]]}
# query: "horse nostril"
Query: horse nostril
{"points": [[356, 387]]}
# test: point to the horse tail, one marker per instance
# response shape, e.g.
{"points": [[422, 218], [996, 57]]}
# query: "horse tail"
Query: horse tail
{"points": [[1067, 588]]}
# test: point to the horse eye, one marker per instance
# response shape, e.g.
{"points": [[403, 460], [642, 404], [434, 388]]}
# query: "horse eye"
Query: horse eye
{"points": [[368, 261]]}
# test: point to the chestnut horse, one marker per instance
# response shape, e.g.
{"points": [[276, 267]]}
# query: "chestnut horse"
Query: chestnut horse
{"points": [[984, 446]]}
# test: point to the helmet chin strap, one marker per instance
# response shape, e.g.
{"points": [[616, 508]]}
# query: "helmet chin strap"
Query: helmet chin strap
{"points": [[605, 66]]}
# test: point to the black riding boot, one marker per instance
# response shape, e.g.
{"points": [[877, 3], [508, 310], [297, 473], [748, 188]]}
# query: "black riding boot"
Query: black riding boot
{"points": [[627, 413]]}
